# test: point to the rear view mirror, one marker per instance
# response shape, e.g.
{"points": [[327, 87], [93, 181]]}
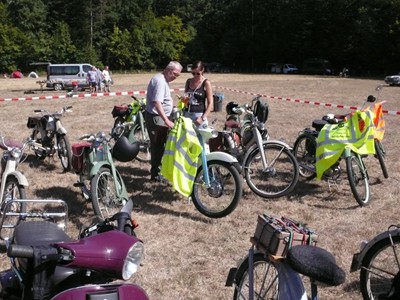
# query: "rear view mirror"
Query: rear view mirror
{"points": [[371, 98]]}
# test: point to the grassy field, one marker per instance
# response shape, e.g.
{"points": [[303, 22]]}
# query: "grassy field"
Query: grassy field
{"points": [[188, 255]]}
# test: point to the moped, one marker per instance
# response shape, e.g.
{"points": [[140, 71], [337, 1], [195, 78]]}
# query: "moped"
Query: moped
{"points": [[99, 179], [50, 136], [13, 182], [135, 130], [46, 263]]}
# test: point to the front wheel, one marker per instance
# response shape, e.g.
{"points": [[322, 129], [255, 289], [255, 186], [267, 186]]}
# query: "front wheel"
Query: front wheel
{"points": [[265, 279], [380, 270], [380, 154], [304, 150], [142, 137], [358, 179], [278, 178], [64, 152], [104, 193], [225, 190]]}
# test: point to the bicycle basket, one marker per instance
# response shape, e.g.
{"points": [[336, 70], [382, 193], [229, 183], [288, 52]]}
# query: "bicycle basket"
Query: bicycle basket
{"points": [[261, 110]]}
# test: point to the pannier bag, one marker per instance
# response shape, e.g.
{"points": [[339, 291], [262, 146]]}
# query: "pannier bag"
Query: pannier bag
{"points": [[78, 154]]}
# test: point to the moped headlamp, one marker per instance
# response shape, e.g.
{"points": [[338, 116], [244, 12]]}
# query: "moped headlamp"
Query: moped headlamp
{"points": [[132, 260], [16, 152]]}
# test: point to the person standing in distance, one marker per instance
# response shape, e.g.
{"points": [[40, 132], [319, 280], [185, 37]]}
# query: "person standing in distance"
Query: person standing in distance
{"points": [[159, 105]]}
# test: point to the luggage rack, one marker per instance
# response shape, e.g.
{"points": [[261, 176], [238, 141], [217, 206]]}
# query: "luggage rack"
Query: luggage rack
{"points": [[53, 210]]}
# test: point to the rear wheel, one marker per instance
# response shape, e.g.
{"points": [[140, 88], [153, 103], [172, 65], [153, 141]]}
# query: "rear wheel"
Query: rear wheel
{"points": [[380, 154], [142, 137], [279, 178], [265, 278], [358, 179], [58, 86], [304, 150], [380, 270], [104, 193], [64, 152]]}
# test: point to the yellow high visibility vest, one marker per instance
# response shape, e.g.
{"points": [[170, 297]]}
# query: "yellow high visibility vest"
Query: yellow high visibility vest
{"points": [[181, 155], [356, 133]]}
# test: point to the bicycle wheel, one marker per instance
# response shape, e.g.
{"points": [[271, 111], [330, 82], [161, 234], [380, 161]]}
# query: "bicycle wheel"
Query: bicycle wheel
{"points": [[224, 193], [304, 150], [380, 154], [104, 193], [358, 179], [265, 279], [142, 136], [64, 152], [380, 270], [279, 178]]}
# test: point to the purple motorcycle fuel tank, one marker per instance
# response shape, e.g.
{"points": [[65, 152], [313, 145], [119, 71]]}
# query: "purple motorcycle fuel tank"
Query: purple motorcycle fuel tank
{"points": [[103, 252]]}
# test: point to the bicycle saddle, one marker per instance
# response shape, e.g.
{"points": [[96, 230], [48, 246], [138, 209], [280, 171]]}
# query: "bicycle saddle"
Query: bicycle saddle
{"points": [[316, 263]]}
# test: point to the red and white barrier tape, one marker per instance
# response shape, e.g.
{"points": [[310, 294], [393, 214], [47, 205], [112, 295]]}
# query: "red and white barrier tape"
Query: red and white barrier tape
{"points": [[389, 112]]}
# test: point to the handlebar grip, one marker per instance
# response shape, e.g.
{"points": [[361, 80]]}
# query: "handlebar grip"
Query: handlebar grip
{"points": [[37, 110], [85, 136], [3, 246], [69, 107], [22, 251]]}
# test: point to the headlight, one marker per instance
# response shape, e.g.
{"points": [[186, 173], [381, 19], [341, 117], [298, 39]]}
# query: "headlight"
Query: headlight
{"points": [[132, 260], [16, 152]]}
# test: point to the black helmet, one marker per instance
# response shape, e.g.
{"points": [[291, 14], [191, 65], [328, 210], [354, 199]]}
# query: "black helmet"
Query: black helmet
{"points": [[230, 106], [124, 150]]}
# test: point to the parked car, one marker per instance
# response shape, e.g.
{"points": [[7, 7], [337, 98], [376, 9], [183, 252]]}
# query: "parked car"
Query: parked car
{"points": [[317, 66], [282, 68], [393, 79], [289, 69]]}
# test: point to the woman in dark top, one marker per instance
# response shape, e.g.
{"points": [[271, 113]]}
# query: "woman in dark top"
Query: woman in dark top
{"points": [[199, 91]]}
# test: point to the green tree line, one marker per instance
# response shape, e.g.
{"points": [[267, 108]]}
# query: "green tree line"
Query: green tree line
{"points": [[244, 35]]}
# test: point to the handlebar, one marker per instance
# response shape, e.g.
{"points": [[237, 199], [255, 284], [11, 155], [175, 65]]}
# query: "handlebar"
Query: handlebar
{"points": [[60, 113], [21, 251]]}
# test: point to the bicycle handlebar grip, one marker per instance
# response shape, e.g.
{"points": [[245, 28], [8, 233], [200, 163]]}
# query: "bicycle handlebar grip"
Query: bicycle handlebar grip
{"points": [[22, 251]]}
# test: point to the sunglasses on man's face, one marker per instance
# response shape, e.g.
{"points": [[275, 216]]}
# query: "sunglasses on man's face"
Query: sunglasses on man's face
{"points": [[196, 73]]}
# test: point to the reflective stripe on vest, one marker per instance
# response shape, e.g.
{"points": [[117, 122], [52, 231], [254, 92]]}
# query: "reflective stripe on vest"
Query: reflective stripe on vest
{"points": [[356, 133]]}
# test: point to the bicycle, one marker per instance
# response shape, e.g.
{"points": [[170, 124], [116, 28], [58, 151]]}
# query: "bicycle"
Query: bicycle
{"points": [[269, 167], [132, 115], [305, 151], [276, 260], [379, 265]]}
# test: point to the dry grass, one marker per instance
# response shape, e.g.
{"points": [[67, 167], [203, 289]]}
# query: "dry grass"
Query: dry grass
{"points": [[187, 255]]}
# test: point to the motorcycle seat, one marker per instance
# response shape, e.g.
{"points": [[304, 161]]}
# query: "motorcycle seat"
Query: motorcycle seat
{"points": [[36, 233], [232, 124]]}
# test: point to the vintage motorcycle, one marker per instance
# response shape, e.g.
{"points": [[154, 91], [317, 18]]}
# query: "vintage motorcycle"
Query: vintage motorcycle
{"points": [[50, 136], [99, 179], [48, 264]]}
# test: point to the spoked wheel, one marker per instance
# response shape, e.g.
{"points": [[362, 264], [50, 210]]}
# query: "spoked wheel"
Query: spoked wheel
{"points": [[380, 270], [38, 138], [265, 278], [224, 193], [104, 193], [358, 179], [304, 150], [64, 152], [380, 154], [119, 131], [279, 178], [142, 136]]}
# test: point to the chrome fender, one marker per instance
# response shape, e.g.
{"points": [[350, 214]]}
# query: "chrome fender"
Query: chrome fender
{"points": [[271, 142], [359, 257], [60, 129], [20, 177], [221, 156]]}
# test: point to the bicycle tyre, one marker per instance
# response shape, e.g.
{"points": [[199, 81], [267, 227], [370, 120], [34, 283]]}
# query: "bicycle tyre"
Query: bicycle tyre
{"points": [[103, 192], [380, 154], [142, 136], [304, 149], [358, 181], [224, 194], [265, 277], [379, 269], [64, 152], [281, 176]]}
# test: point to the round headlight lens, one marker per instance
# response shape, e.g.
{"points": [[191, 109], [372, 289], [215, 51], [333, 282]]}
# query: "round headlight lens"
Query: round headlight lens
{"points": [[132, 260]]}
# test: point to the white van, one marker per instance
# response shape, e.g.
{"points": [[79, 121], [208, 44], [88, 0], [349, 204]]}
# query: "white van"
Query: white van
{"points": [[67, 76]]}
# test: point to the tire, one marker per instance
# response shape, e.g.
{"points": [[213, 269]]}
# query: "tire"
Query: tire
{"points": [[142, 136], [58, 86], [120, 131], [380, 154], [379, 269], [224, 194], [104, 193], [12, 191], [265, 276], [358, 182], [64, 152], [281, 176], [304, 150], [38, 138]]}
